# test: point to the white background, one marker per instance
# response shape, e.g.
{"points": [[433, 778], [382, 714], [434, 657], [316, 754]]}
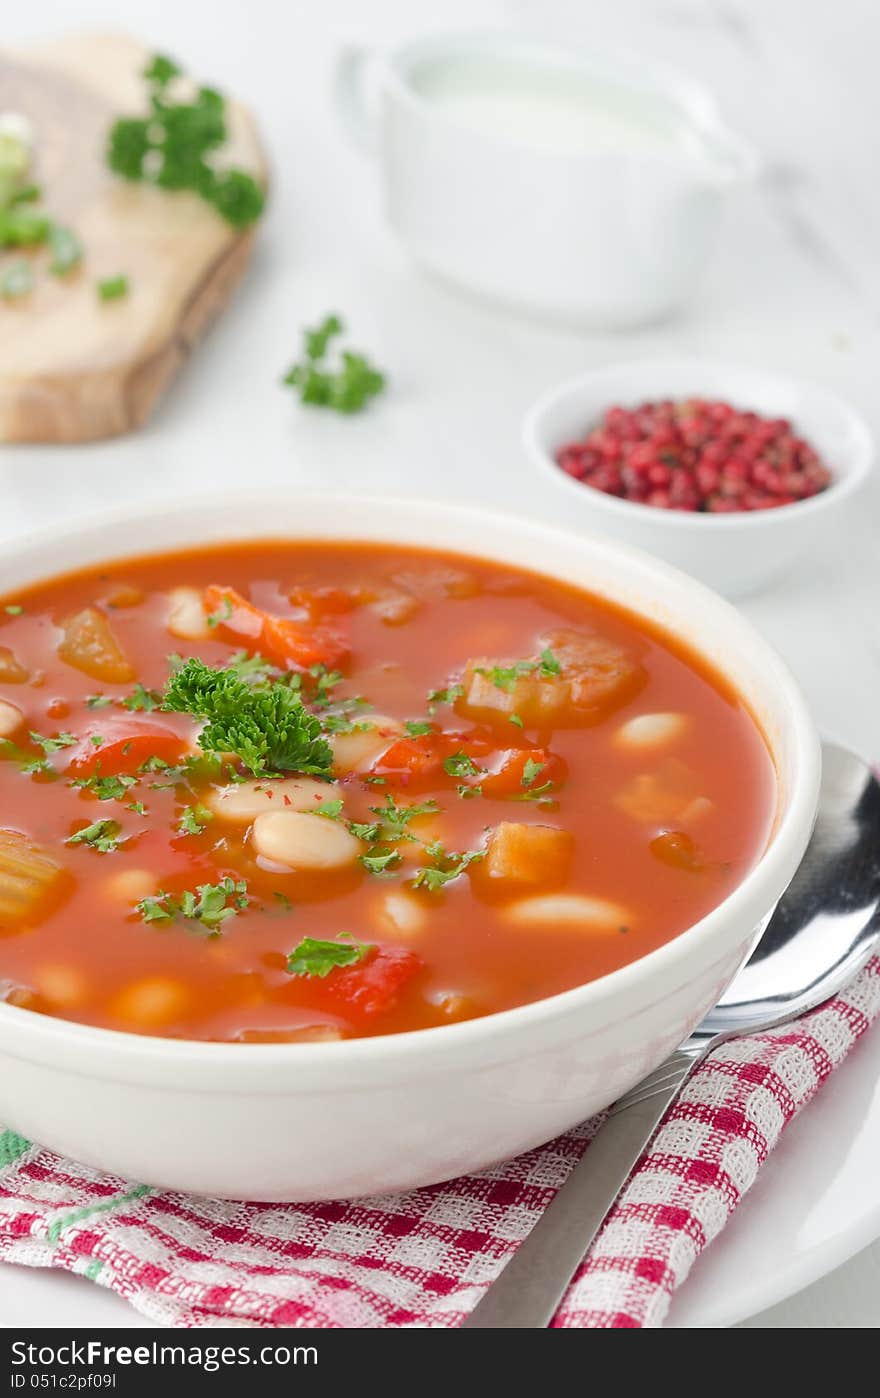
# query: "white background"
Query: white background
{"points": [[796, 286]]}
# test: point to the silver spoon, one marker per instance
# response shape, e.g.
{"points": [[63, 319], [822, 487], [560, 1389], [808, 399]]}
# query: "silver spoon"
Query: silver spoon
{"points": [[824, 930]]}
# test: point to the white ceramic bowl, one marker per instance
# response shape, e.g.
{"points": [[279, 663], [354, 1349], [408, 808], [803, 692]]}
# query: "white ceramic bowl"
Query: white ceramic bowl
{"points": [[365, 1116], [737, 553]]}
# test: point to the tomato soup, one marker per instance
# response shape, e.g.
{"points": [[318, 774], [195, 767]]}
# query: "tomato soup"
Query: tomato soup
{"points": [[289, 792]]}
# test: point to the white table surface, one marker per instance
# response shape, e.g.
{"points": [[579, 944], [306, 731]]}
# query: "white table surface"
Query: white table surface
{"points": [[796, 286]]}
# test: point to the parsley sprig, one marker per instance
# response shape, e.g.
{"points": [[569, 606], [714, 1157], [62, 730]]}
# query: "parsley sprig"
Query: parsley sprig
{"points": [[347, 387], [175, 146], [267, 726]]}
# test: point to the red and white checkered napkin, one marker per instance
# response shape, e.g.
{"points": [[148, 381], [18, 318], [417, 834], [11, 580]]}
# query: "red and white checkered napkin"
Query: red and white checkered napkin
{"points": [[423, 1259]]}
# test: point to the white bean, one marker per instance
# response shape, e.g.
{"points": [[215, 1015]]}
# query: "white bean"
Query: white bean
{"points": [[242, 802], [400, 913], [129, 885], [650, 731], [186, 618], [304, 842], [354, 752], [569, 912], [11, 718]]}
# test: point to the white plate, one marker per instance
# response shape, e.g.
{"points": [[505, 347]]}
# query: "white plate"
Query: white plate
{"points": [[815, 1204]]}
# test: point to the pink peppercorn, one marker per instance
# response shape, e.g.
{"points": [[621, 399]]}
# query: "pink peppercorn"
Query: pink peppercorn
{"points": [[696, 455]]}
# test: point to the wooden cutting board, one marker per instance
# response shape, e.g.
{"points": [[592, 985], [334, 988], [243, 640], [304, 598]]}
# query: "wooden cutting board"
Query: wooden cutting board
{"points": [[73, 368]]}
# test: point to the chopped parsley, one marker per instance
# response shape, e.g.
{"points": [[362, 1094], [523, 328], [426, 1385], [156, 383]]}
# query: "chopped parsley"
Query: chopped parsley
{"points": [[102, 836], [98, 701], [394, 819], [106, 788], [460, 764], [331, 809], [13, 609], [346, 386], [142, 700], [505, 676], [444, 696], [531, 771], [418, 728], [223, 613], [327, 680], [515, 719], [193, 820], [380, 863], [138, 807], [211, 905], [316, 958], [467, 793], [61, 740], [266, 726], [446, 866]]}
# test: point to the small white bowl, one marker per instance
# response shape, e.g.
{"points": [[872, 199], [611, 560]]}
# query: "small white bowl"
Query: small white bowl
{"points": [[736, 553], [366, 1116]]}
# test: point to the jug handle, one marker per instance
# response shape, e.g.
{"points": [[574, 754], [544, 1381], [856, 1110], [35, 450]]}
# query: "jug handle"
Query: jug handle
{"points": [[350, 94]]}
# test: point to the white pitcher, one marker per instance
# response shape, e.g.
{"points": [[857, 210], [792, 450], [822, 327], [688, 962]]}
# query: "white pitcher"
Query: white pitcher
{"points": [[580, 186]]}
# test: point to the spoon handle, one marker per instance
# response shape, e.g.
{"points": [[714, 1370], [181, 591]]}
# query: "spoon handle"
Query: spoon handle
{"points": [[527, 1293]]}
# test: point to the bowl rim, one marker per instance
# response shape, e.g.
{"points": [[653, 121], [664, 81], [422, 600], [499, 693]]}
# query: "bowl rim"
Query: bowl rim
{"points": [[844, 482], [117, 1048]]}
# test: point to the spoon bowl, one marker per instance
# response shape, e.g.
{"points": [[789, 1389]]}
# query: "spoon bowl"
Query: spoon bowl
{"points": [[825, 927]]}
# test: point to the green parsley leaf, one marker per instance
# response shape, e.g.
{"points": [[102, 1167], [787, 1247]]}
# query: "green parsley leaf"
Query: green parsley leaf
{"points": [[548, 664], [13, 609], [106, 788], [461, 765], [444, 696], [505, 676], [531, 770], [316, 958], [142, 700], [467, 793], [61, 740], [98, 701], [331, 809], [112, 288], [347, 387], [380, 863], [223, 613], [447, 867], [211, 905], [102, 836], [160, 70], [394, 819], [138, 807], [418, 728], [193, 820], [515, 719], [266, 726], [541, 794], [369, 832]]}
